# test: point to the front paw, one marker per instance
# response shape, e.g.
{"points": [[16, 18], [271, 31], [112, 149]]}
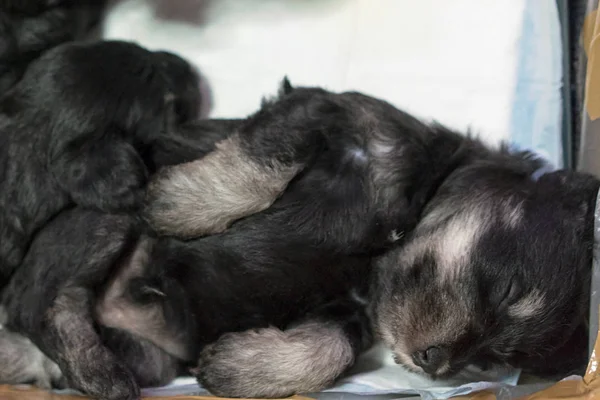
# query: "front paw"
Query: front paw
{"points": [[104, 379], [270, 363], [238, 365]]}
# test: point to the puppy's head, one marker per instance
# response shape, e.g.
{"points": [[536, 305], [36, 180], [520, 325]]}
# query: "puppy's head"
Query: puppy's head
{"points": [[497, 271], [116, 87]]}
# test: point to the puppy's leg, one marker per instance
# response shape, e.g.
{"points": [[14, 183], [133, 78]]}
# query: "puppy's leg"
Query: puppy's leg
{"points": [[50, 298], [150, 365], [205, 196], [273, 363], [69, 338], [107, 175], [245, 174]]}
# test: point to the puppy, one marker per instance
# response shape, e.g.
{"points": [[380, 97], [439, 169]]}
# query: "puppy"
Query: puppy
{"points": [[497, 271], [304, 281], [297, 271], [303, 260], [77, 130], [30, 27]]}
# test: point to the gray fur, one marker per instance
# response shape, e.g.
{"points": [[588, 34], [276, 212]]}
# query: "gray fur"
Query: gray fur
{"points": [[115, 310], [205, 196], [68, 319], [23, 363], [495, 272], [270, 363]]}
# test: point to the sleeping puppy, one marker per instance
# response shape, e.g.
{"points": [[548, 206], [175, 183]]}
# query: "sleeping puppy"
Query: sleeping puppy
{"points": [[77, 130], [497, 271], [304, 281], [30, 27], [303, 260], [297, 271]]}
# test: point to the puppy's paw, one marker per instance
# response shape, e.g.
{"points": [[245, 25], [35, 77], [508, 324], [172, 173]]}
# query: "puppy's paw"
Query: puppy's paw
{"points": [[105, 379], [270, 363], [240, 365], [205, 196]]}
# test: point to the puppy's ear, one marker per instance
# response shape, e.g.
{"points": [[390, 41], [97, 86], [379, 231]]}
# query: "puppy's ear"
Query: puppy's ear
{"points": [[286, 87], [575, 188]]}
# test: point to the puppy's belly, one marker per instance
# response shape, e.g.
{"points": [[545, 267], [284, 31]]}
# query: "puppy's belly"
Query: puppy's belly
{"points": [[114, 309]]}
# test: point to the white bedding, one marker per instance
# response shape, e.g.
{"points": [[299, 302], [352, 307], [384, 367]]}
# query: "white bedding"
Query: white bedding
{"points": [[486, 65]]}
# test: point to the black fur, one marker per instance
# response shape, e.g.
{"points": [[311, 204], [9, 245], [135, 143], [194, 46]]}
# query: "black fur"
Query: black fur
{"points": [[28, 28], [301, 271], [76, 130], [311, 248], [346, 206], [518, 291]]}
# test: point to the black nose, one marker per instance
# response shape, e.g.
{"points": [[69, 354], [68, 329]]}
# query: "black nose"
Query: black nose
{"points": [[431, 359]]}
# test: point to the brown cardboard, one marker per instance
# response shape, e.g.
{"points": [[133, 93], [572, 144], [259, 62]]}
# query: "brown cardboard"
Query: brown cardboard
{"points": [[589, 147], [591, 46]]}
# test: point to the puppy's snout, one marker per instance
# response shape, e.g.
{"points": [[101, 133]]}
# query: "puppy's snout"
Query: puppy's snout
{"points": [[430, 359]]}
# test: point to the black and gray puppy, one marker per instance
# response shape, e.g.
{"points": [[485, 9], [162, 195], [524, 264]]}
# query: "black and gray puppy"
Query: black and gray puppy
{"points": [[28, 28], [491, 247], [77, 130], [294, 266], [497, 271], [293, 271]]}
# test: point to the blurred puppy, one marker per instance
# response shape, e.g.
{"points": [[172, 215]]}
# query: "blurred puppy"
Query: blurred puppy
{"points": [[30, 27], [497, 271], [76, 130]]}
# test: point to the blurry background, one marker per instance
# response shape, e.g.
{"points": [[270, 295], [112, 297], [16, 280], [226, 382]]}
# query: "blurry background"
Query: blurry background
{"points": [[491, 66]]}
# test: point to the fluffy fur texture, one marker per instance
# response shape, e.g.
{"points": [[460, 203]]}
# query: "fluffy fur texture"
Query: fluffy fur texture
{"points": [[308, 251], [248, 169], [496, 270], [30, 27], [79, 128], [303, 238], [23, 362]]}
